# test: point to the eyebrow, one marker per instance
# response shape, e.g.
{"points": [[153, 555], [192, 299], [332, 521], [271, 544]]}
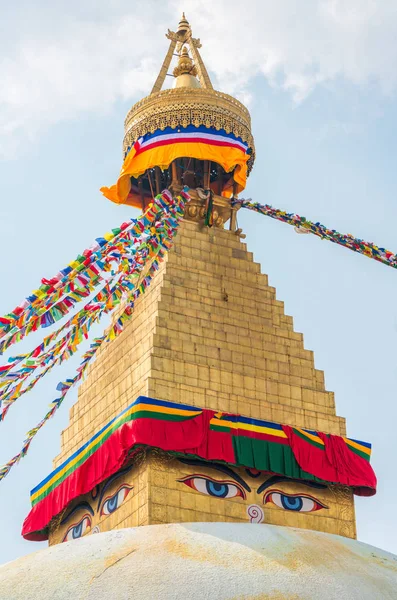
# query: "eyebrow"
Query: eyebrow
{"points": [[278, 479], [79, 506], [221, 468], [109, 481]]}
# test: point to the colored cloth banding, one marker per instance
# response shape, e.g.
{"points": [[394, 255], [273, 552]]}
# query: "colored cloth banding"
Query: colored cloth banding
{"points": [[188, 430], [162, 147]]}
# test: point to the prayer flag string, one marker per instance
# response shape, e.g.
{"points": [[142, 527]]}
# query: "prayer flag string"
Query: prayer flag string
{"points": [[166, 214], [58, 295], [104, 302], [129, 264], [303, 225]]}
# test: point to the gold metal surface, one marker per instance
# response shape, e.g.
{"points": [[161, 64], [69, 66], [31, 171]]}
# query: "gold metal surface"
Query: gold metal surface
{"points": [[186, 80]]}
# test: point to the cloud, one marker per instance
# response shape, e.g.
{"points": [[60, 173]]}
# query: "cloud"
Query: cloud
{"points": [[77, 58], [57, 71], [299, 45]]}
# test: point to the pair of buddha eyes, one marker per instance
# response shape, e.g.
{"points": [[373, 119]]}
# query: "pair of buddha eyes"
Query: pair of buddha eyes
{"points": [[229, 489], [109, 505], [204, 485]]}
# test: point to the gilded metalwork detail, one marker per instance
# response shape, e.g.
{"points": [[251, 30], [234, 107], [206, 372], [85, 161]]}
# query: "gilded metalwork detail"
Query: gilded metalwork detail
{"points": [[212, 97]]}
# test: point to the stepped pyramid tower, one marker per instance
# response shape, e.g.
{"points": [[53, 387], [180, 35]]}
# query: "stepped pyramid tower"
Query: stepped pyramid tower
{"points": [[206, 416], [209, 332]]}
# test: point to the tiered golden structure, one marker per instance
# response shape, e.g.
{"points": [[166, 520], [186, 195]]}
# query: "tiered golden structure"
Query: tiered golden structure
{"points": [[192, 101], [209, 332]]}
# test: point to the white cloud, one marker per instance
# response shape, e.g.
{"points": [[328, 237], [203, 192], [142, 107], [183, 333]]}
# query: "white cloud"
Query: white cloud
{"points": [[54, 73], [299, 45], [76, 58]]}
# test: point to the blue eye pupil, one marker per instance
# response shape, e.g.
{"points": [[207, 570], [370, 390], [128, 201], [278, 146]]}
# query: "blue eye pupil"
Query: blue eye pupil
{"points": [[219, 490], [112, 503], [291, 502], [77, 531]]}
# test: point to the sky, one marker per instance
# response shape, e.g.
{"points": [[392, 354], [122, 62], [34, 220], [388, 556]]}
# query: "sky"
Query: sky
{"points": [[320, 81]]}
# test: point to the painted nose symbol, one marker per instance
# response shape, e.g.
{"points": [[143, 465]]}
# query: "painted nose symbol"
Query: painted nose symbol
{"points": [[255, 513]]}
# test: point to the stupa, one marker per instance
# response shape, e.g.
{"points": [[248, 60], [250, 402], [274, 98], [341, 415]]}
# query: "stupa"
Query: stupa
{"points": [[204, 450]]}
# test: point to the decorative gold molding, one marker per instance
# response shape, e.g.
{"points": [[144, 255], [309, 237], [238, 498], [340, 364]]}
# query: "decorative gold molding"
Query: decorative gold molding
{"points": [[171, 96]]}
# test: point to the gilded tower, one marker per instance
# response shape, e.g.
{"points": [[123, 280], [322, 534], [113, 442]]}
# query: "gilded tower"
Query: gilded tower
{"points": [[232, 419]]}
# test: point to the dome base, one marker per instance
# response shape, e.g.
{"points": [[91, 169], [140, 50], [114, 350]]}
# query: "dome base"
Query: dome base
{"points": [[203, 560]]}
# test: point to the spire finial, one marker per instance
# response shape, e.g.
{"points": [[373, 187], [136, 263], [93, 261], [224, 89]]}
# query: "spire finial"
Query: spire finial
{"points": [[183, 26], [178, 39]]}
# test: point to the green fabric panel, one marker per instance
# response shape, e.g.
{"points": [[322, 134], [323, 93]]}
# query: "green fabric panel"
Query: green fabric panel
{"points": [[268, 456]]}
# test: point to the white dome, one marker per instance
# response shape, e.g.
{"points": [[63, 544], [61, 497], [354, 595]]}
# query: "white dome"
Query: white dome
{"points": [[203, 561]]}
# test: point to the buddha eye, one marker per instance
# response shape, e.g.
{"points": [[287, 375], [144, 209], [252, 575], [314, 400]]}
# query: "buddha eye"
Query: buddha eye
{"points": [[78, 530], [213, 487], [112, 503], [295, 502]]}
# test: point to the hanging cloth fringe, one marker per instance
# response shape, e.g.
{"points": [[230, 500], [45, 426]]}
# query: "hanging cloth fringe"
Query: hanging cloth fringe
{"points": [[303, 225]]}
